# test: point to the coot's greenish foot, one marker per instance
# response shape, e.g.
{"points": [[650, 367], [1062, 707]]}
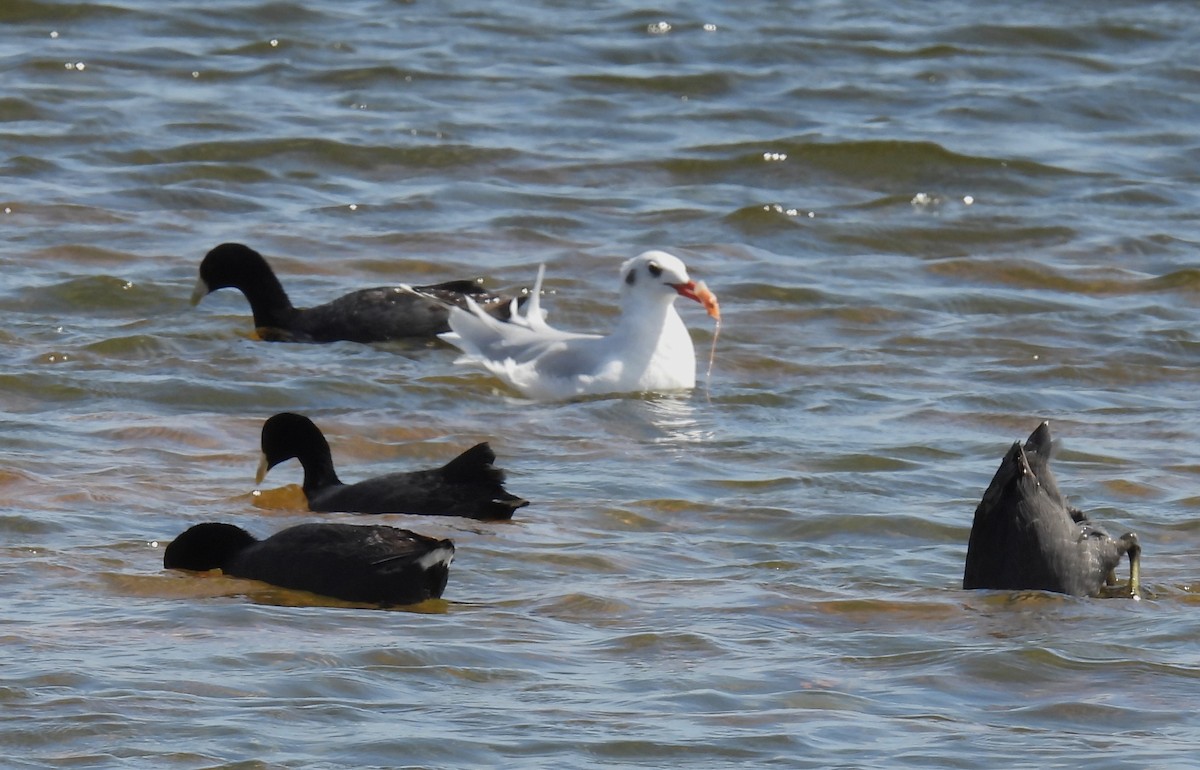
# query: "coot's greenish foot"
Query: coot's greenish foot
{"points": [[355, 563], [1133, 589], [370, 315], [469, 485], [1026, 537]]}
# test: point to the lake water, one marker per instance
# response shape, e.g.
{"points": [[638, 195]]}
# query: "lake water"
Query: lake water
{"points": [[930, 226]]}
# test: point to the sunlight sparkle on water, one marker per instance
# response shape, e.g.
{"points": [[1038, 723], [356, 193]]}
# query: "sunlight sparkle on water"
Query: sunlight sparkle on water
{"points": [[779, 209]]}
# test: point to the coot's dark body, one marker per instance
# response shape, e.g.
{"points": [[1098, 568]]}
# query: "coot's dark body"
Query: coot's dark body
{"points": [[367, 564], [469, 485], [368, 315], [1026, 537]]}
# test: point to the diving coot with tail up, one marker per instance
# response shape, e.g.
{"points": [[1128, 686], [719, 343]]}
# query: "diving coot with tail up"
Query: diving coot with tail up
{"points": [[369, 315], [365, 564], [1026, 537], [468, 485]]}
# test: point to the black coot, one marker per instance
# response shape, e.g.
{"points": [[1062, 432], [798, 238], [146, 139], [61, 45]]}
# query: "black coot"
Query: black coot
{"points": [[367, 564], [368, 315], [468, 485], [1026, 537]]}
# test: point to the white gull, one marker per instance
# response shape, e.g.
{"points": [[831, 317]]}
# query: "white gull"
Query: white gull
{"points": [[648, 351]]}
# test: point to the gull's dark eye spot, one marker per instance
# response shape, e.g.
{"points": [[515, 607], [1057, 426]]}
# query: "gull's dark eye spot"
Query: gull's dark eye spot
{"points": [[654, 269], [631, 277]]}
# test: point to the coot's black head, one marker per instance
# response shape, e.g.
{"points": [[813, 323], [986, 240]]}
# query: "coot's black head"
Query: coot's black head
{"points": [[237, 266], [230, 265], [206, 546], [288, 435]]}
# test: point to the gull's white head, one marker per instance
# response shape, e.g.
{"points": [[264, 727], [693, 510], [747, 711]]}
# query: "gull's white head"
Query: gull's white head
{"points": [[656, 273]]}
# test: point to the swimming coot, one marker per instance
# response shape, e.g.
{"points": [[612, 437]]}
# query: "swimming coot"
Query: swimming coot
{"points": [[1026, 537], [468, 485], [368, 315], [367, 564]]}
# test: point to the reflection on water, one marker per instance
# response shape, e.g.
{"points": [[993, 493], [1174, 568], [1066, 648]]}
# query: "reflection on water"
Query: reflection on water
{"points": [[289, 497], [194, 586], [662, 419]]}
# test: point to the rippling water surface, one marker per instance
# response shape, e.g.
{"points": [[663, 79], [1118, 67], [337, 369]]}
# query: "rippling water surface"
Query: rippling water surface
{"points": [[930, 225]]}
